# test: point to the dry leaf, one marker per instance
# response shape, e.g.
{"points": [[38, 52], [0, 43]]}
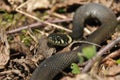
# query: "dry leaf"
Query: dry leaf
{"points": [[114, 70], [37, 4], [82, 77], [4, 49], [4, 6]]}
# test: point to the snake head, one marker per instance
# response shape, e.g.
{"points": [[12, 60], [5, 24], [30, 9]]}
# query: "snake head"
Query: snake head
{"points": [[59, 39]]}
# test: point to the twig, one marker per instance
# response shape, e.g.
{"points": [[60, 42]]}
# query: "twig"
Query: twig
{"points": [[112, 55], [34, 25], [118, 18], [99, 54], [24, 27], [44, 22], [86, 42], [59, 16]]}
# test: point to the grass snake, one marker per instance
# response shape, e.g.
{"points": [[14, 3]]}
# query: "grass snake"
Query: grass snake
{"points": [[51, 66]]}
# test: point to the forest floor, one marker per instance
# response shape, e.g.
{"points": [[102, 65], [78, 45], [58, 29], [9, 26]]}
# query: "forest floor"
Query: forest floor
{"points": [[25, 25]]}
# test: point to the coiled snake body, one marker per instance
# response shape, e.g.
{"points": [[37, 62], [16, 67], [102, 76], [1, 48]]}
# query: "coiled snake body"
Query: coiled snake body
{"points": [[50, 67]]}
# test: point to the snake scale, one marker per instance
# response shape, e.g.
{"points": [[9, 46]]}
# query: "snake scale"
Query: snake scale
{"points": [[50, 67]]}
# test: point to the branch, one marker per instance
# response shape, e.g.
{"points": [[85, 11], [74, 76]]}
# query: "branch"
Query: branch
{"points": [[34, 25], [99, 54]]}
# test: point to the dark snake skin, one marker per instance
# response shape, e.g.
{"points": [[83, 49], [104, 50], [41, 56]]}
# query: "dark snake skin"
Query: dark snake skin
{"points": [[50, 67]]}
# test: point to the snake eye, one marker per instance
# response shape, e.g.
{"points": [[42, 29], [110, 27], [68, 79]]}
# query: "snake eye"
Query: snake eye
{"points": [[59, 39]]}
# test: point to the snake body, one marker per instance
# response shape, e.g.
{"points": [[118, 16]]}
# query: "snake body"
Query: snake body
{"points": [[50, 67]]}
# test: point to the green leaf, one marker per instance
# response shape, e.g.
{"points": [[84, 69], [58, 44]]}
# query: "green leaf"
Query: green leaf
{"points": [[62, 10], [118, 61], [75, 68], [89, 51], [80, 57]]}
